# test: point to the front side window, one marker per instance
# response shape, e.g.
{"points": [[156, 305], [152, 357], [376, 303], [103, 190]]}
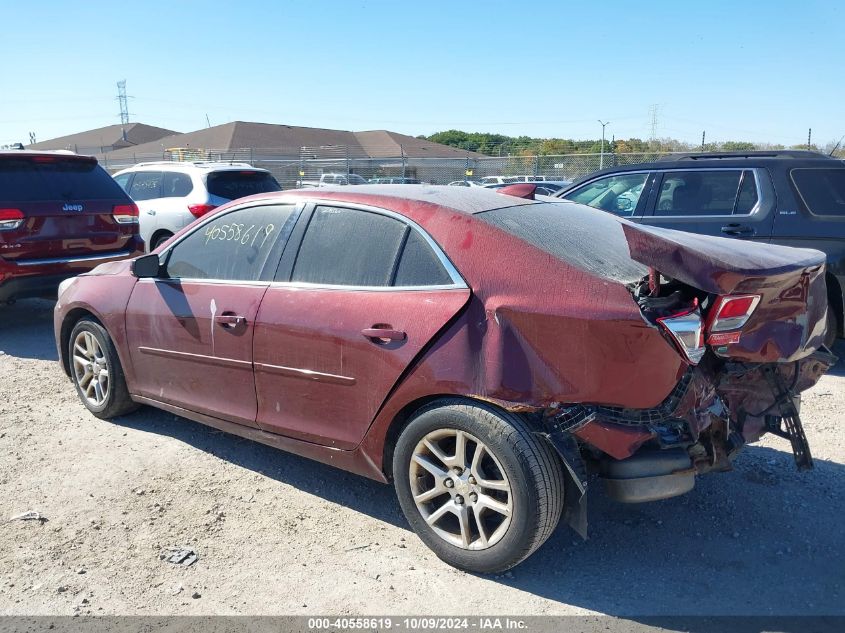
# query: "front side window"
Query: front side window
{"points": [[700, 192], [822, 190], [146, 185], [350, 247], [235, 246], [619, 194]]}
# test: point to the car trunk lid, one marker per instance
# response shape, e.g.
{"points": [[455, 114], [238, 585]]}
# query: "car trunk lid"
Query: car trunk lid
{"points": [[788, 320]]}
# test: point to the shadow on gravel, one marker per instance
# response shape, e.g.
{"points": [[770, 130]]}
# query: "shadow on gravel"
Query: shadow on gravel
{"points": [[338, 486], [26, 329], [763, 539]]}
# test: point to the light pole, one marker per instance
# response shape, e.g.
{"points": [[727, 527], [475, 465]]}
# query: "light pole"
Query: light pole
{"points": [[601, 156]]}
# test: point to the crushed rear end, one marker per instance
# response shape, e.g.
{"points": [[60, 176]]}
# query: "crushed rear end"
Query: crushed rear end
{"points": [[749, 321]]}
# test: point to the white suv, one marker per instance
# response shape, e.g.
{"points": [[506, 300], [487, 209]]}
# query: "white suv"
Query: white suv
{"points": [[171, 195]]}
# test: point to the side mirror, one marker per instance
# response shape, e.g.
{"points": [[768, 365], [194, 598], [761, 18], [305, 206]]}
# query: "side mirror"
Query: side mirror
{"points": [[146, 267]]}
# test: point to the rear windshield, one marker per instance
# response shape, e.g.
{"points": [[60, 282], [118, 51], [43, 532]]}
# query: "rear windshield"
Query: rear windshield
{"points": [[27, 180], [823, 190], [583, 237], [237, 184]]}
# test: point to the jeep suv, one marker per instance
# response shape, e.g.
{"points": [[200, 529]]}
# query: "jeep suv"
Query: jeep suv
{"points": [[171, 194], [60, 215], [794, 198]]}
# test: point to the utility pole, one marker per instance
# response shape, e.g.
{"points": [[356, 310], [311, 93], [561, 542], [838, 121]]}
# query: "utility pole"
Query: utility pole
{"points": [[652, 113], [122, 99], [809, 137], [703, 134], [601, 156]]}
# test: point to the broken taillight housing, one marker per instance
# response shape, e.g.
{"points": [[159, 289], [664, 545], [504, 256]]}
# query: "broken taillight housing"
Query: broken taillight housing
{"points": [[731, 312], [687, 330], [125, 213], [10, 219]]}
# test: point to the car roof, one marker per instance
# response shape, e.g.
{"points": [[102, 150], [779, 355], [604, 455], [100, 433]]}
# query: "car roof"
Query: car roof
{"points": [[468, 200], [201, 166], [30, 153]]}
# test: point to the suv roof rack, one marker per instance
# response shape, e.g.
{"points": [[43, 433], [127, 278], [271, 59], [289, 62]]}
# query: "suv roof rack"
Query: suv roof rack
{"points": [[196, 163], [780, 153]]}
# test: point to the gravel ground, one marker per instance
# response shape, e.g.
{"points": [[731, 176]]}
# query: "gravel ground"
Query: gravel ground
{"points": [[278, 534]]}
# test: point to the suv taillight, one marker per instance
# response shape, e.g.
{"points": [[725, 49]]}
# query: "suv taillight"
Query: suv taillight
{"points": [[199, 210], [10, 219], [125, 213], [687, 330], [728, 314]]}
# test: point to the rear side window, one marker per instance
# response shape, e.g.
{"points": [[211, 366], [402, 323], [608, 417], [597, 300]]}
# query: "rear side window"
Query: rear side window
{"points": [[700, 192], [176, 185], [349, 247], [49, 178], [237, 184], [235, 246], [822, 190], [146, 185], [419, 265]]}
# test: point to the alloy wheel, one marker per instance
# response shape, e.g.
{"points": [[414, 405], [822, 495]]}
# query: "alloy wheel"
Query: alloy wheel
{"points": [[91, 368], [461, 489]]}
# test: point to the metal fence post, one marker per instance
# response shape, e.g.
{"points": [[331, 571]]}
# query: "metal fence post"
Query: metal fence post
{"points": [[346, 147], [402, 151]]}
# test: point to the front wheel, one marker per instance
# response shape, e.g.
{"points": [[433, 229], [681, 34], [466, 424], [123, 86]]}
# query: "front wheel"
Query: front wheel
{"points": [[96, 371], [477, 486]]}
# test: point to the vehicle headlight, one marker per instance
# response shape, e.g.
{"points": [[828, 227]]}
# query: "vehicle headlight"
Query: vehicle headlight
{"points": [[65, 285]]}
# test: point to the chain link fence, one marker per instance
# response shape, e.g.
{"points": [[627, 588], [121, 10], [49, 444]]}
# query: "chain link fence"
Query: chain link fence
{"points": [[335, 165]]}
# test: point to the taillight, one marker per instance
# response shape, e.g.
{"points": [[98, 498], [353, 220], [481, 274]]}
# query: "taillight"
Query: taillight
{"points": [[199, 210], [10, 219], [687, 330], [125, 213], [730, 313]]}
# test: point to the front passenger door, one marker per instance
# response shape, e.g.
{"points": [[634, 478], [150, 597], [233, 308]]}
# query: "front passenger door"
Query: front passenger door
{"points": [[622, 194], [190, 331]]}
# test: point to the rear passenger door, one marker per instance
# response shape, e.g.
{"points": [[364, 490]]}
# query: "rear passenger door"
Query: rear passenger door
{"points": [[349, 311], [730, 202]]}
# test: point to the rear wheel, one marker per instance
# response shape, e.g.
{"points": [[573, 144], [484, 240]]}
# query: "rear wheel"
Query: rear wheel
{"points": [[477, 486], [96, 371], [832, 327]]}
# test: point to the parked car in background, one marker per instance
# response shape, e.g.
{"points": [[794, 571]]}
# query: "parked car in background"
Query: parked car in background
{"points": [[329, 180], [544, 188], [509, 180], [465, 183], [393, 180], [478, 350], [60, 215], [793, 198], [170, 195]]}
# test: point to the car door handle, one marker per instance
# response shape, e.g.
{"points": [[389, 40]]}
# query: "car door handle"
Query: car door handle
{"points": [[150, 212], [230, 320], [738, 230], [383, 334]]}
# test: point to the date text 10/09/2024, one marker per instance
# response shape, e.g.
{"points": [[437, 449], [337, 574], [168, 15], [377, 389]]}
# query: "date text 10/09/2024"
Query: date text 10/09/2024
{"points": [[417, 623]]}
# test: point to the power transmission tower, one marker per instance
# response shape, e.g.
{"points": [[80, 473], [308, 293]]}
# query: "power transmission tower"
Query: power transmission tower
{"points": [[652, 114], [123, 100], [32, 138]]}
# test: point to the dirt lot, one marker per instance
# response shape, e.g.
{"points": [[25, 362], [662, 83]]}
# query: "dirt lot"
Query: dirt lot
{"points": [[278, 534]]}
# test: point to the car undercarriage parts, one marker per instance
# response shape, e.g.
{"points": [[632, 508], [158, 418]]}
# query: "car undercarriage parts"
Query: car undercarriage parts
{"points": [[788, 425], [649, 475]]}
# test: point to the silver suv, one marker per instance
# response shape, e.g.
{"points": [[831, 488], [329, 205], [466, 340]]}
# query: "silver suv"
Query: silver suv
{"points": [[171, 195]]}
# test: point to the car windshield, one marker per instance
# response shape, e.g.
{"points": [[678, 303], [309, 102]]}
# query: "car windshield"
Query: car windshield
{"points": [[570, 232], [55, 178], [237, 184]]}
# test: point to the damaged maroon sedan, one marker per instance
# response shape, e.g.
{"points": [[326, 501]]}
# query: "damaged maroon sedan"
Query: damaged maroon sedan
{"points": [[483, 352]]}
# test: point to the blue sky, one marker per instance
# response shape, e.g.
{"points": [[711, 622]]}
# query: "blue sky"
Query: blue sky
{"points": [[760, 71]]}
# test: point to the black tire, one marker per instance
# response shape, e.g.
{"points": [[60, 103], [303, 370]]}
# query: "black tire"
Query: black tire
{"points": [[159, 240], [117, 401], [528, 462], [832, 332]]}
